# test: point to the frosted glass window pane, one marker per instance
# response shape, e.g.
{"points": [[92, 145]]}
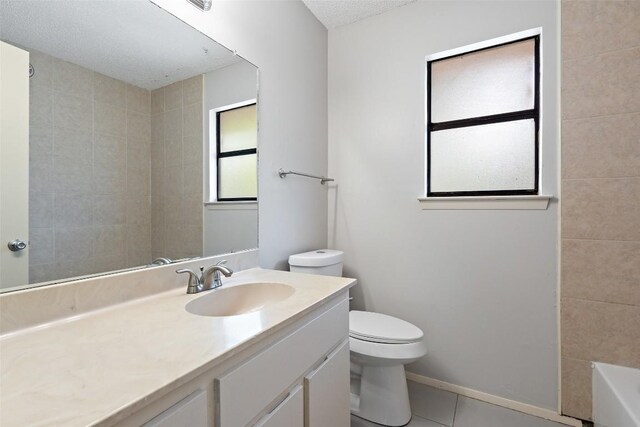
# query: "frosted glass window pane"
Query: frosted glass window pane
{"points": [[499, 156], [492, 81], [238, 129], [238, 177]]}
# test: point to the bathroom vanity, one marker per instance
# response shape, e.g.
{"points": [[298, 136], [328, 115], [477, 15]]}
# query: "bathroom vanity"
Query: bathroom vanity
{"points": [[266, 362]]}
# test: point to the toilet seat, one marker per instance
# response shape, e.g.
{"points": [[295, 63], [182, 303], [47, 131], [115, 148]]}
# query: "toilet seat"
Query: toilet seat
{"points": [[381, 328], [382, 354]]}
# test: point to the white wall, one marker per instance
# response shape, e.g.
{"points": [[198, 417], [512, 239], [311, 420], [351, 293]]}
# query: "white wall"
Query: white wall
{"points": [[481, 284], [228, 227], [289, 46]]}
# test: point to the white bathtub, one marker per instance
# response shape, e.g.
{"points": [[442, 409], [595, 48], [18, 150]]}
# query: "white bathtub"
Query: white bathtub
{"points": [[616, 396]]}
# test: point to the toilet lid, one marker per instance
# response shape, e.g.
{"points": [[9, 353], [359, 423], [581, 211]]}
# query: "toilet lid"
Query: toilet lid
{"points": [[376, 327]]}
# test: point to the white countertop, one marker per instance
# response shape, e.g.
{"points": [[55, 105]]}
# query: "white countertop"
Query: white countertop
{"points": [[93, 367]]}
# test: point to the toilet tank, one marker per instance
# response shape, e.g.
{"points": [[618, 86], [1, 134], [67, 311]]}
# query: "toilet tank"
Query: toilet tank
{"points": [[326, 262]]}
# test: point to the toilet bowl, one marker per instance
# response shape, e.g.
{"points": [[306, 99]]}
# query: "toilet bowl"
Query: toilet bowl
{"points": [[380, 347]]}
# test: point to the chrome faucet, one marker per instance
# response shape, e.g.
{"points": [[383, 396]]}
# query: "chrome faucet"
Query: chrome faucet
{"points": [[211, 278], [161, 261]]}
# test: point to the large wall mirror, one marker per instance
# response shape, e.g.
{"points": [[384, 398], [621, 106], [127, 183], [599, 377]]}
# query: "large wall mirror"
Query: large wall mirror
{"points": [[141, 141]]}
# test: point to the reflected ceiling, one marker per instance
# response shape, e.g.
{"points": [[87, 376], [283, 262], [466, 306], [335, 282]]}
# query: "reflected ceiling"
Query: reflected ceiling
{"points": [[147, 47]]}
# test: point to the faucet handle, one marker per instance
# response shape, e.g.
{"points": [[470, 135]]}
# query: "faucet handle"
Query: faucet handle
{"points": [[194, 281]]}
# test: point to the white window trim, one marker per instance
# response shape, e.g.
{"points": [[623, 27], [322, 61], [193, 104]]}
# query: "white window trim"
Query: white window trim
{"points": [[535, 202], [516, 202], [241, 205], [484, 44], [212, 162]]}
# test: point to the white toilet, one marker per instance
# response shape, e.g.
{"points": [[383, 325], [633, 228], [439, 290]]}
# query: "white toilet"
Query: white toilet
{"points": [[380, 347]]}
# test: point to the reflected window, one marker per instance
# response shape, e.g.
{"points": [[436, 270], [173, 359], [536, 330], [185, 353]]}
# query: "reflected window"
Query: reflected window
{"points": [[236, 153], [483, 113]]}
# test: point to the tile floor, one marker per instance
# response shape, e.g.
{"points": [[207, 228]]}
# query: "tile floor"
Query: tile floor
{"points": [[438, 408]]}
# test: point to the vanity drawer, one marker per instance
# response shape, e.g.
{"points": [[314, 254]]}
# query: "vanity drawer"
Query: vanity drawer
{"points": [[244, 392]]}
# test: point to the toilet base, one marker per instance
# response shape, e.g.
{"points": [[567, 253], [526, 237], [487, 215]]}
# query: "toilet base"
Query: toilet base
{"points": [[383, 396]]}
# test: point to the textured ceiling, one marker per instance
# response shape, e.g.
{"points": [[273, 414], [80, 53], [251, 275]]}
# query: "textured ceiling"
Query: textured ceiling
{"points": [[134, 41], [333, 13]]}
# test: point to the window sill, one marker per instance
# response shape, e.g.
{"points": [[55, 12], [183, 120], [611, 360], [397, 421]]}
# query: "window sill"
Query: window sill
{"points": [[231, 206], [485, 203]]}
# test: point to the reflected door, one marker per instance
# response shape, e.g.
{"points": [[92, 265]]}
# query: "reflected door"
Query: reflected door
{"points": [[14, 165]]}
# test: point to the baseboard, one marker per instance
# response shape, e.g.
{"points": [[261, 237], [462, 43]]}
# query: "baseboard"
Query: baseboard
{"points": [[536, 411]]}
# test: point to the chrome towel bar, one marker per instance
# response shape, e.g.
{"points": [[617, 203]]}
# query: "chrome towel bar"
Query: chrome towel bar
{"points": [[322, 179]]}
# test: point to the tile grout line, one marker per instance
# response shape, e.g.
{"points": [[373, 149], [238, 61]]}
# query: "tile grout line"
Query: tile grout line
{"points": [[599, 54], [599, 240], [413, 416], [455, 410], [598, 301], [597, 116], [602, 177]]}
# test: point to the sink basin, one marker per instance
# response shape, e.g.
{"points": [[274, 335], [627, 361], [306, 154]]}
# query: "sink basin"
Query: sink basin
{"points": [[239, 299]]}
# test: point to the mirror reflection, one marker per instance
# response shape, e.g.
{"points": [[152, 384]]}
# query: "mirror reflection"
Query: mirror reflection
{"points": [[141, 138]]}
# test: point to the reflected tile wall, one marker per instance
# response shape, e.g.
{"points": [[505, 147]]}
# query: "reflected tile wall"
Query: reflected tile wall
{"points": [[90, 165], [600, 305], [176, 169]]}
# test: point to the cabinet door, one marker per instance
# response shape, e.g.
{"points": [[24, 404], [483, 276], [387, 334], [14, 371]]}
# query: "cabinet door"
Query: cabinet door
{"points": [[189, 412], [289, 413], [327, 391]]}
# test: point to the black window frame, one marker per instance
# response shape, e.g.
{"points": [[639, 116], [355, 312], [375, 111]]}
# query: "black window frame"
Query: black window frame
{"points": [[533, 113], [235, 153]]}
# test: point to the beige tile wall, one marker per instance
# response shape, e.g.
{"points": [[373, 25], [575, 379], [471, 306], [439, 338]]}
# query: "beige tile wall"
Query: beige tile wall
{"points": [[90, 192], [176, 169], [600, 306]]}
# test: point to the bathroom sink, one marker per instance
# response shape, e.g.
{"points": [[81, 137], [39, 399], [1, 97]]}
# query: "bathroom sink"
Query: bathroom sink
{"points": [[239, 299]]}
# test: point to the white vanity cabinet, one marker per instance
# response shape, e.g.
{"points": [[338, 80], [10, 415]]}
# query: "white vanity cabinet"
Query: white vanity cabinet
{"points": [[322, 400], [306, 356], [296, 377]]}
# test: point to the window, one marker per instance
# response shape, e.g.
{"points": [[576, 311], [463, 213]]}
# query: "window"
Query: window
{"points": [[482, 119], [234, 131]]}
